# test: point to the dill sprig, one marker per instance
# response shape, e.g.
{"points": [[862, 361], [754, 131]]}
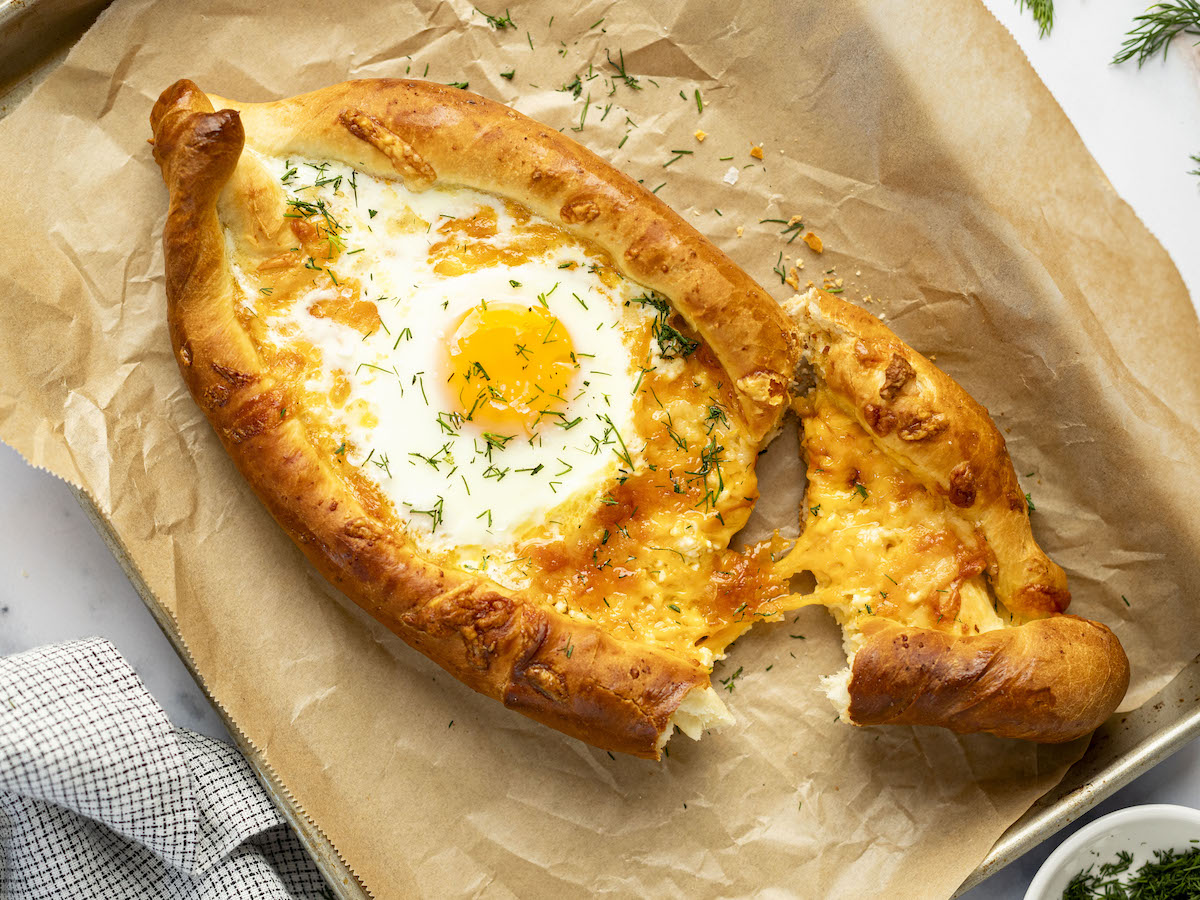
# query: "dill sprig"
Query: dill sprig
{"points": [[434, 512], [671, 342], [574, 88], [1155, 28], [629, 80], [498, 22], [1043, 14]]}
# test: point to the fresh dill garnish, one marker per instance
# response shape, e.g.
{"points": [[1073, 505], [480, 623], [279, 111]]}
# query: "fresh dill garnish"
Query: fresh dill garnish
{"points": [[498, 22], [1171, 874], [671, 343], [728, 683], [699, 102], [710, 464], [587, 104], [496, 441], [382, 462], [450, 423], [509, 74], [1029, 502], [461, 85], [1155, 28], [629, 80], [574, 88], [623, 453], [780, 270], [1043, 13], [442, 455], [715, 416], [434, 512], [793, 226], [303, 209]]}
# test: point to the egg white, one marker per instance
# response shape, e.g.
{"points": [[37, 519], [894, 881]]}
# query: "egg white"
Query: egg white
{"points": [[456, 496]]}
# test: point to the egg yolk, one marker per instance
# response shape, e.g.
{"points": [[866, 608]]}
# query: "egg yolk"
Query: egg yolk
{"points": [[509, 366]]}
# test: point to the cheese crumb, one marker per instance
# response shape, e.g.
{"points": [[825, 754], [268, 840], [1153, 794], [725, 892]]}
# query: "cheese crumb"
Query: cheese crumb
{"points": [[793, 278], [814, 242], [795, 220], [740, 229], [731, 176], [701, 135], [756, 152]]}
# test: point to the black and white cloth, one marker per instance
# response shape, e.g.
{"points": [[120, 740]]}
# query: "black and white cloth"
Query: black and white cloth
{"points": [[101, 797]]}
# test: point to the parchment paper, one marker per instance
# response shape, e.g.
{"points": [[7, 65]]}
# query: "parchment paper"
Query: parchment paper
{"points": [[948, 188]]}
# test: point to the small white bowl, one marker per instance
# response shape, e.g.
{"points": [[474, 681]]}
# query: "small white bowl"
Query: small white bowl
{"points": [[1139, 829]]}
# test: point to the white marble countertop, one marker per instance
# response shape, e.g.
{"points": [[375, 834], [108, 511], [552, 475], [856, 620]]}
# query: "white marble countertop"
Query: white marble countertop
{"points": [[58, 581]]}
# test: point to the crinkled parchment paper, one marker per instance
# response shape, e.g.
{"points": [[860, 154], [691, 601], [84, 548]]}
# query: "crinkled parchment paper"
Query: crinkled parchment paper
{"points": [[948, 187]]}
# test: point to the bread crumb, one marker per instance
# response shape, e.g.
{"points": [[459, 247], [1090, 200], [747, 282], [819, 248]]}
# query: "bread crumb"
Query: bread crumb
{"points": [[756, 151], [731, 176], [701, 135], [793, 278], [740, 229], [795, 220], [932, 357], [799, 264], [814, 242]]}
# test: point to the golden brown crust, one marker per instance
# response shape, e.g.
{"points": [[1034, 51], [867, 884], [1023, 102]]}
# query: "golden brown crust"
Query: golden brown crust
{"points": [[1048, 677], [422, 131], [572, 676], [1050, 680]]}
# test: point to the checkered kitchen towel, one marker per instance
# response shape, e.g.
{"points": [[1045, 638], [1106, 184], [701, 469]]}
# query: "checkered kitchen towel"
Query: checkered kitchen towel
{"points": [[100, 797]]}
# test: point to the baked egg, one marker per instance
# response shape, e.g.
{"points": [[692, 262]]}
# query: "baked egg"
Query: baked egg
{"points": [[520, 407]]}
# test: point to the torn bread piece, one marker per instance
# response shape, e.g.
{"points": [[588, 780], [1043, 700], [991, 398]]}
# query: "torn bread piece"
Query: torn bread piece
{"points": [[919, 539]]}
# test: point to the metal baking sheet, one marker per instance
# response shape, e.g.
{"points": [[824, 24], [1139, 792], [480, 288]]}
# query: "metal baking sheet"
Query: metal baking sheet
{"points": [[35, 35]]}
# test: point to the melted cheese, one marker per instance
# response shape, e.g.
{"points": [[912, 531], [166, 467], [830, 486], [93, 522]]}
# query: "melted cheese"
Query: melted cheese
{"points": [[614, 503], [878, 541]]}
